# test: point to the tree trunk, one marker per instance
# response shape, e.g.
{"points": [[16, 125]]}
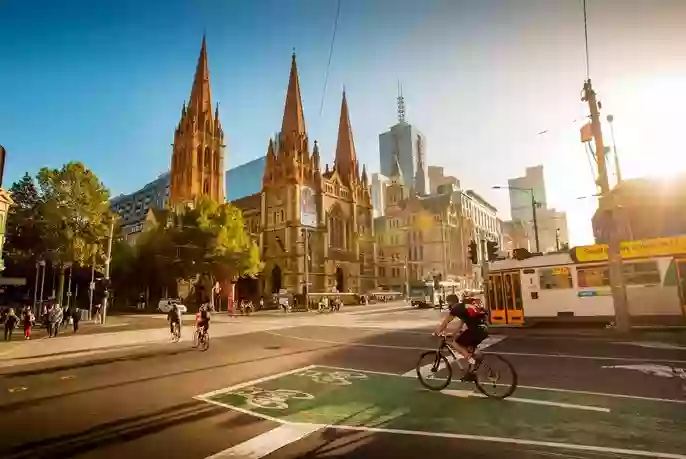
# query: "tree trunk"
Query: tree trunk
{"points": [[60, 293]]}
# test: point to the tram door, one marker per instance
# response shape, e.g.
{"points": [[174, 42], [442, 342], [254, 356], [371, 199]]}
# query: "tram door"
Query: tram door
{"points": [[681, 270], [505, 298]]}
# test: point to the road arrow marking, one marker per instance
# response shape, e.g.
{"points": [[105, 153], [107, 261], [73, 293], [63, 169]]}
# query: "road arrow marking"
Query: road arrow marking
{"points": [[12, 390]]}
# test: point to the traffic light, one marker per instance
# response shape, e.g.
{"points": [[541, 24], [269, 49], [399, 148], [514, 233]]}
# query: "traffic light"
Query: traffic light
{"points": [[492, 249], [473, 252]]}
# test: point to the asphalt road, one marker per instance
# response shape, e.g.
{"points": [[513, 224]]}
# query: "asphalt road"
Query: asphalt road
{"points": [[347, 398]]}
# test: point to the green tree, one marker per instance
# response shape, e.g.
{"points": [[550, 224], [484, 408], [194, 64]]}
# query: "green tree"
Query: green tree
{"points": [[25, 242], [74, 209], [212, 243]]}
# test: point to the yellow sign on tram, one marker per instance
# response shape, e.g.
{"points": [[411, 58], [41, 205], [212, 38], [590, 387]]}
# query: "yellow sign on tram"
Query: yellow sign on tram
{"points": [[646, 248]]}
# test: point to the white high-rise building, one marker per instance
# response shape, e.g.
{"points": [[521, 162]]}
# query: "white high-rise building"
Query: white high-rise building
{"points": [[379, 184], [552, 224]]}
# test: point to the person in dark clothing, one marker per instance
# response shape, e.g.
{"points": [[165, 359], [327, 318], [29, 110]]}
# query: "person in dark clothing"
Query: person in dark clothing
{"points": [[475, 320], [75, 318], [10, 322]]}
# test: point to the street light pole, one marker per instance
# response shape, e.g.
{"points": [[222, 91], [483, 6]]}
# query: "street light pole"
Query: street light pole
{"points": [[534, 205], [622, 316], [107, 271]]}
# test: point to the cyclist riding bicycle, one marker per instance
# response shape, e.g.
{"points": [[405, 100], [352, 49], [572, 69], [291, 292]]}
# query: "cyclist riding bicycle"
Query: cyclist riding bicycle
{"points": [[475, 319], [174, 317], [202, 319]]}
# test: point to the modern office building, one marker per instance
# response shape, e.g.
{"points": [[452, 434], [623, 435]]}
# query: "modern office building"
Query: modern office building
{"points": [[133, 208], [405, 142], [551, 223], [245, 180]]}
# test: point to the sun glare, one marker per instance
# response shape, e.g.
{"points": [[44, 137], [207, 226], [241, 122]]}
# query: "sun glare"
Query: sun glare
{"points": [[649, 126]]}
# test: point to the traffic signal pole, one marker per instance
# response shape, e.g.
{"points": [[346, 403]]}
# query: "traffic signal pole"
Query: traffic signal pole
{"points": [[534, 216], [605, 204]]}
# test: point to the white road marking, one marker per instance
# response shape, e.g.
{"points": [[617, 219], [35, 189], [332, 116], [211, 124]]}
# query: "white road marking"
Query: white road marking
{"points": [[469, 393], [254, 382], [652, 345], [516, 441], [522, 354], [67, 377], [12, 390], [663, 371], [488, 342], [268, 442]]}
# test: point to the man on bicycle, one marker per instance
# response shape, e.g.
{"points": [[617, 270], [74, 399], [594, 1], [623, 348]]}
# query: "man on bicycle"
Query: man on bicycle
{"points": [[474, 318], [174, 317], [202, 319]]}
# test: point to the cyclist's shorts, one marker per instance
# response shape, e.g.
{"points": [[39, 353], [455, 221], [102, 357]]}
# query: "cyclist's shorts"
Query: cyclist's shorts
{"points": [[204, 324], [472, 337]]}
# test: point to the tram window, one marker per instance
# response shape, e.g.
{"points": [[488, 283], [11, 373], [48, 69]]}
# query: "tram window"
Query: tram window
{"points": [[641, 273], [499, 293], [595, 276], [555, 278], [517, 292], [491, 294], [509, 301]]}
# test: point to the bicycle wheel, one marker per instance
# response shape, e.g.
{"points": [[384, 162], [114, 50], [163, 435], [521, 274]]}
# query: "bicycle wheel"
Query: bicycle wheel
{"points": [[492, 374], [196, 335], [434, 370], [176, 336], [204, 342]]}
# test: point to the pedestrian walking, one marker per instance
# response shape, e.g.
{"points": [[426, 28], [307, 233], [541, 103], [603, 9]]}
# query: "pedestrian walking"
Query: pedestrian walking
{"points": [[55, 316], [96, 313], [28, 319], [10, 322], [75, 318]]}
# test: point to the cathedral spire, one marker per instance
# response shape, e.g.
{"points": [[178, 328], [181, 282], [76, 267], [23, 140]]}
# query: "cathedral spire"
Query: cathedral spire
{"points": [[201, 94], [346, 158], [293, 117]]}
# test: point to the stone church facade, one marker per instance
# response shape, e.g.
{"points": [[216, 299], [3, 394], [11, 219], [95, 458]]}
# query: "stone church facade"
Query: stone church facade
{"points": [[313, 222]]}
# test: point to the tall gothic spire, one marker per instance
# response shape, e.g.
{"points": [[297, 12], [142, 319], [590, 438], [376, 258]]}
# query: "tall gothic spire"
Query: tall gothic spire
{"points": [[201, 94], [346, 158], [293, 117]]}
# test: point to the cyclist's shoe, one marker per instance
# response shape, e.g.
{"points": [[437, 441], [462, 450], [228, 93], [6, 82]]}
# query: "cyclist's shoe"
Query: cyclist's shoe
{"points": [[470, 376]]}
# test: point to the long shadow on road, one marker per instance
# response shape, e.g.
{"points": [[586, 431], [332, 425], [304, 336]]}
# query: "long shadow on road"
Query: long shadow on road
{"points": [[98, 436]]}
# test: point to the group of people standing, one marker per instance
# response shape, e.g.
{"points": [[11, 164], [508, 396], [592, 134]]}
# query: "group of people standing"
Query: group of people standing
{"points": [[54, 317]]}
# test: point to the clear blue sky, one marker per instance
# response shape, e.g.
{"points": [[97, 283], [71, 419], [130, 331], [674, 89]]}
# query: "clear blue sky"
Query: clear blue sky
{"points": [[103, 82]]}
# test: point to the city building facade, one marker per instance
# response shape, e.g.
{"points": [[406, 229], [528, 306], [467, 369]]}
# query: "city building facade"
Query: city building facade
{"points": [[404, 142], [245, 180], [644, 209], [133, 208], [197, 164], [421, 237], [551, 223], [314, 226]]}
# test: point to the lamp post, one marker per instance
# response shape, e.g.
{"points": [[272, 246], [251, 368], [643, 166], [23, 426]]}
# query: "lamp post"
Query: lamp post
{"points": [[534, 204]]}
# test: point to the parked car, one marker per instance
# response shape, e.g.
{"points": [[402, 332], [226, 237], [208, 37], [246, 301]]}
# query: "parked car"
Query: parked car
{"points": [[166, 304]]}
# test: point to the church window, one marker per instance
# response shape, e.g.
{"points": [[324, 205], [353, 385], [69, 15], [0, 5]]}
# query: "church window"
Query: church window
{"points": [[206, 187], [208, 157], [199, 152]]}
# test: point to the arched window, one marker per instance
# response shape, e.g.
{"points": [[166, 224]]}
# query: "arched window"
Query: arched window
{"points": [[208, 157], [206, 187], [199, 157]]}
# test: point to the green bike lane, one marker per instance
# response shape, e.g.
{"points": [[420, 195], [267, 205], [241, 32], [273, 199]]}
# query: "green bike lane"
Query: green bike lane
{"points": [[317, 398]]}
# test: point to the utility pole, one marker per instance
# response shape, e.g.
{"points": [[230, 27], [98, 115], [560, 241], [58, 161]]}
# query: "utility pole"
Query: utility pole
{"points": [[622, 316], [35, 288], [407, 279], [107, 271], [557, 240], [42, 285], [91, 287], [534, 216]]}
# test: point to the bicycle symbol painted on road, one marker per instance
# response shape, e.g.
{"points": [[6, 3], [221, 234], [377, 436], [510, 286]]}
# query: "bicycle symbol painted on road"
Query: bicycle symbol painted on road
{"points": [[270, 399], [335, 378]]}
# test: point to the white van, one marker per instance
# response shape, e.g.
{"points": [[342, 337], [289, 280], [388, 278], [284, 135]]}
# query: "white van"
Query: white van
{"points": [[166, 304]]}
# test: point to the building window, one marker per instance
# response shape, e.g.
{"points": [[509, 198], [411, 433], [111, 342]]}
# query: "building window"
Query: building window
{"points": [[555, 278], [641, 273], [382, 272]]}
